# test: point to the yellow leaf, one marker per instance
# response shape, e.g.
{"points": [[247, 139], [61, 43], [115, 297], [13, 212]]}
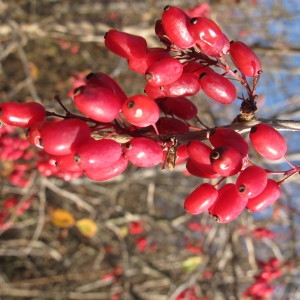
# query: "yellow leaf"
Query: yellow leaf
{"points": [[124, 231], [34, 71], [87, 227], [190, 264], [62, 218]]}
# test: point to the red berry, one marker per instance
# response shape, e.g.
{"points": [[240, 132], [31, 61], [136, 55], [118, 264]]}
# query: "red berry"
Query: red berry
{"points": [[175, 23], [181, 107], [63, 137], [98, 153], [141, 110], [167, 125], [125, 44], [196, 68], [22, 114], [186, 85], [268, 142], [103, 80], [164, 71], [229, 204], [143, 152], [228, 137], [66, 163], [98, 103], [251, 181], [199, 152], [245, 59], [153, 54], [226, 161], [154, 92], [208, 36], [268, 196], [217, 87], [200, 199], [108, 172], [201, 170], [33, 133]]}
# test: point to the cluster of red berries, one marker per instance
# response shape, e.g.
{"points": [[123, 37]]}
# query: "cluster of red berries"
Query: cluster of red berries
{"points": [[16, 154], [147, 129], [261, 288], [227, 155], [10, 208]]}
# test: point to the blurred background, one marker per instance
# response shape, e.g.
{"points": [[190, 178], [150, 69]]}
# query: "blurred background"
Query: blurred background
{"points": [[145, 245]]}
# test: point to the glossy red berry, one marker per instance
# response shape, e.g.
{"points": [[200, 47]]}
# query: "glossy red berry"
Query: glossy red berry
{"points": [[245, 59], [175, 23], [109, 172], [208, 36], [143, 152], [97, 102], [186, 85], [22, 114], [164, 71], [199, 152], [201, 199], [153, 55], [218, 87], [98, 153], [103, 80], [125, 44], [221, 136], [268, 142], [229, 204], [64, 137], [67, 163], [268, 196], [155, 92], [141, 110], [226, 161], [201, 170], [251, 181]]}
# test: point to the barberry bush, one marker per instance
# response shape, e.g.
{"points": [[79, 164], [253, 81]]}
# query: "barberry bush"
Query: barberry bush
{"points": [[92, 142]]}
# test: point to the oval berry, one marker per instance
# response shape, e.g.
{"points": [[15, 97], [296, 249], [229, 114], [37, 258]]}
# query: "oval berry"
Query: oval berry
{"points": [[175, 24], [268, 196], [268, 142], [141, 110], [201, 199], [97, 102], [201, 170], [251, 181], [199, 152], [153, 55], [226, 161], [143, 152], [229, 204], [98, 153], [64, 137], [228, 137], [208, 36], [109, 172], [167, 125], [244, 59], [164, 71], [22, 114], [104, 80], [125, 44], [181, 107], [218, 87], [186, 85]]}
